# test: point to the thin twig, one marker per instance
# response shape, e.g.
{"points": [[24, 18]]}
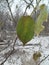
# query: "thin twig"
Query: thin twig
{"points": [[25, 10], [31, 3], [7, 46], [30, 45], [10, 11], [34, 10], [28, 5], [3, 43], [14, 42], [25, 1], [43, 59], [9, 54]]}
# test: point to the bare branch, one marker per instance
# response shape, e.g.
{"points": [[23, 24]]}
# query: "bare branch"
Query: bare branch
{"points": [[43, 59], [35, 8], [28, 5], [10, 11], [25, 10], [31, 3], [14, 42], [9, 54], [30, 45], [25, 1], [8, 44], [5, 43]]}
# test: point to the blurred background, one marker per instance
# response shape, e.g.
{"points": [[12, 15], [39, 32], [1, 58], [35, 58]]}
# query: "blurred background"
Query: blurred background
{"points": [[10, 12]]}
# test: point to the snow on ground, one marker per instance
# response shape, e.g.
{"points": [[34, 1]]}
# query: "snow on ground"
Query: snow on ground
{"points": [[24, 55]]}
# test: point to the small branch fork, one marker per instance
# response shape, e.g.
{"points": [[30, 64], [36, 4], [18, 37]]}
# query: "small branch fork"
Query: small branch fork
{"points": [[30, 4], [34, 10]]}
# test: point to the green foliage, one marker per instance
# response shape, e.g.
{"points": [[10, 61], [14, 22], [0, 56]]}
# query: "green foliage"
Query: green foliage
{"points": [[1, 23], [36, 55], [41, 18], [42, 6], [25, 29]]}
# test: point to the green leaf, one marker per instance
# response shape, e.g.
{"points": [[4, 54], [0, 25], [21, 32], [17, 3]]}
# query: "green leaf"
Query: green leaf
{"points": [[42, 6], [41, 18], [36, 56], [25, 29], [1, 23]]}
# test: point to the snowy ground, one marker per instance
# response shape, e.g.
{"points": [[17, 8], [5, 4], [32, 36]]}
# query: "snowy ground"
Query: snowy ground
{"points": [[24, 55]]}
